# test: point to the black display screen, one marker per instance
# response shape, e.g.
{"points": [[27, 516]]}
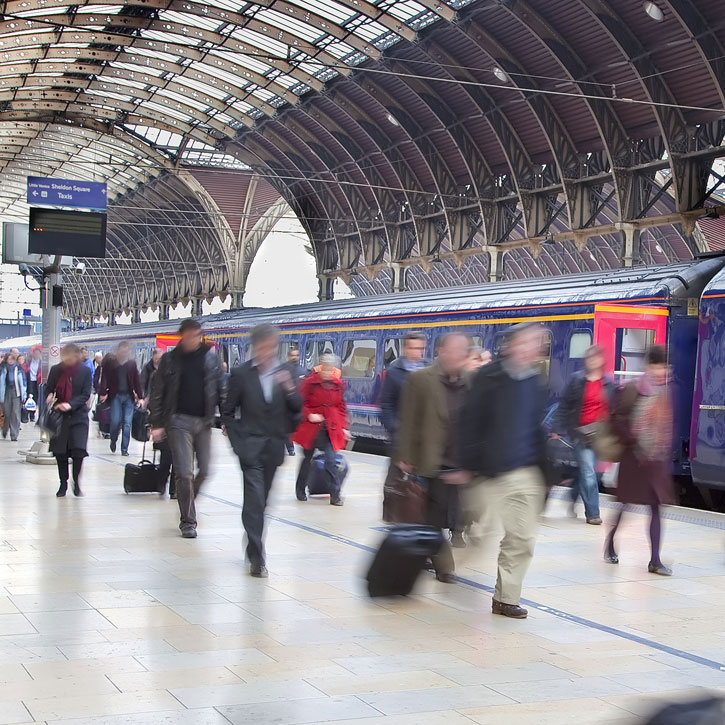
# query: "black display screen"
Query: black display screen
{"points": [[71, 233]]}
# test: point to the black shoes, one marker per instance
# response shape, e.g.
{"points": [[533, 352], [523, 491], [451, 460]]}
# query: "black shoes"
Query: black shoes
{"points": [[336, 502], [660, 569], [611, 558], [124, 453], [62, 490], [188, 533], [259, 572], [77, 490], [172, 495], [301, 496], [514, 611], [113, 446]]}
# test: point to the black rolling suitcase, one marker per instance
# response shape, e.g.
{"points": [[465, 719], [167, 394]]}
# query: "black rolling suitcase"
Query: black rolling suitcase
{"points": [[401, 557], [318, 482], [140, 425], [143, 477]]}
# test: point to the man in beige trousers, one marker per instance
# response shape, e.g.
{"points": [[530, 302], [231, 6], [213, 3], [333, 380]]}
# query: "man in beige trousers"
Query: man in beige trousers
{"points": [[503, 443]]}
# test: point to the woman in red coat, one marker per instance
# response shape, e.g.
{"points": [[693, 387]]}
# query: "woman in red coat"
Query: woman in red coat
{"points": [[323, 426], [642, 418]]}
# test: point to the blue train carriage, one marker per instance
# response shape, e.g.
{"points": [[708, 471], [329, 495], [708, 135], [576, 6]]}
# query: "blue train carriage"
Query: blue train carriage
{"points": [[707, 436]]}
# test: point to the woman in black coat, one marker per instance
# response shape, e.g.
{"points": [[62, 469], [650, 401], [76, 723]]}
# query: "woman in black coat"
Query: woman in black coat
{"points": [[69, 390]]}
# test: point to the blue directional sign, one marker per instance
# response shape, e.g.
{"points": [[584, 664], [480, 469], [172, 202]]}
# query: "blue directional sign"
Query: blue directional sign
{"points": [[66, 192]]}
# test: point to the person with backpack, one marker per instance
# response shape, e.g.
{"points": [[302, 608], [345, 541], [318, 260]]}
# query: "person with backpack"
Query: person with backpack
{"points": [[642, 419], [13, 392], [584, 405], [324, 425]]}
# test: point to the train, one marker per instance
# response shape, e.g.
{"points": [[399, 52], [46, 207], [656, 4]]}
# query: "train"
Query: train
{"points": [[681, 306]]}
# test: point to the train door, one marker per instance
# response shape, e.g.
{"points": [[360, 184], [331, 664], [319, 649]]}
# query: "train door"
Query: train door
{"points": [[624, 333]]}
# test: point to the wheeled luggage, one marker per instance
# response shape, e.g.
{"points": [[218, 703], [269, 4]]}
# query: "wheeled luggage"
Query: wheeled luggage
{"points": [[102, 416], [143, 477], [318, 482], [401, 557], [140, 425]]}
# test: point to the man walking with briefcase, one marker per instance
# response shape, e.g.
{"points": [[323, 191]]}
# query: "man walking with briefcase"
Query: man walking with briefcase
{"points": [[185, 393]]}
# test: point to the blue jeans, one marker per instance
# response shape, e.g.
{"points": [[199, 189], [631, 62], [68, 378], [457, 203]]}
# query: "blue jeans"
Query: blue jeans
{"points": [[121, 416], [586, 484]]}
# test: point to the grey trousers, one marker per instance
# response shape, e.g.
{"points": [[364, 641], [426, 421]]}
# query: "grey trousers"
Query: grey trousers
{"points": [[12, 407], [189, 436]]}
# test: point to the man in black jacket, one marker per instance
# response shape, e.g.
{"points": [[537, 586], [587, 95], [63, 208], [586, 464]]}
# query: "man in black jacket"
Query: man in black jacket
{"points": [[395, 377], [183, 409], [261, 411], [504, 442]]}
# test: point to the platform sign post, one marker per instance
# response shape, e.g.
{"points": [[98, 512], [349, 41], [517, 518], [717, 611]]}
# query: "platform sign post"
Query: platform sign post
{"points": [[51, 302]]}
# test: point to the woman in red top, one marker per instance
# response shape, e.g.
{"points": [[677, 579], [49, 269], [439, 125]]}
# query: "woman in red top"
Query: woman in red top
{"points": [[323, 426]]}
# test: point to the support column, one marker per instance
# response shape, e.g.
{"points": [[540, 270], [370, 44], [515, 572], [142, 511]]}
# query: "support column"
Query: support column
{"points": [[495, 266], [164, 311], [326, 288], [399, 275], [197, 306], [237, 300], [630, 251], [51, 302], [136, 316]]}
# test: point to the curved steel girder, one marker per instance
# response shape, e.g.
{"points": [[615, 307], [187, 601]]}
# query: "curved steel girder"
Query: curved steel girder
{"points": [[433, 222], [333, 154], [347, 229], [419, 198], [479, 177], [703, 35], [670, 119], [563, 149], [518, 160], [374, 164], [611, 131], [301, 195]]}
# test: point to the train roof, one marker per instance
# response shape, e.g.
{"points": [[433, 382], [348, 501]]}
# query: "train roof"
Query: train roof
{"points": [[664, 281]]}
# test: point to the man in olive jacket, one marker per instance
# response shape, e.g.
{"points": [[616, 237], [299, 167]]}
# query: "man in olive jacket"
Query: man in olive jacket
{"points": [[429, 434]]}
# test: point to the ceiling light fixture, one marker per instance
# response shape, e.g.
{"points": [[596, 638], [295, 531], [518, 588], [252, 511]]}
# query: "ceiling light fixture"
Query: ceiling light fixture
{"points": [[654, 11], [393, 120], [501, 74]]}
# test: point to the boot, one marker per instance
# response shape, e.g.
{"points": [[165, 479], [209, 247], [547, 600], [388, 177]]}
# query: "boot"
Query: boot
{"points": [[62, 490]]}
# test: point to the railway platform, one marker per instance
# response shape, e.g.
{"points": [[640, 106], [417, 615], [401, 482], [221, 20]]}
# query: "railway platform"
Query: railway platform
{"points": [[108, 617]]}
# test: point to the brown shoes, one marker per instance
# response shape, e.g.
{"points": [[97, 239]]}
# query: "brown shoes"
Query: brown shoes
{"points": [[594, 521], [509, 610]]}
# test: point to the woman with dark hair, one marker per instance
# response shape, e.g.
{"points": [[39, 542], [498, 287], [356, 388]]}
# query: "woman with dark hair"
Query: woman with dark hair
{"points": [[642, 418], [68, 389]]}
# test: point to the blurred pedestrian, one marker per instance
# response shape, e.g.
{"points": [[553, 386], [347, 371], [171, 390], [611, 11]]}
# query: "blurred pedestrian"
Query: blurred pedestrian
{"points": [[477, 358], [429, 435], [260, 412], [505, 444], [13, 393], [298, 373], [165, 460], [68, 390], [324, 425], [642, 419], [413, 358], [186, 390], [120, 385], [86, 360], [583, 406], [35, 366]]}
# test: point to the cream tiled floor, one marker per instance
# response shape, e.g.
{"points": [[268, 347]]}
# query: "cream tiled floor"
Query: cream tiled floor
{"points": [[108, 617]]}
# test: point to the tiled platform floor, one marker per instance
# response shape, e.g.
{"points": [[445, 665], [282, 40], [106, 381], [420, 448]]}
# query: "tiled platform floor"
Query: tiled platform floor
{"points": [[107, 616]]}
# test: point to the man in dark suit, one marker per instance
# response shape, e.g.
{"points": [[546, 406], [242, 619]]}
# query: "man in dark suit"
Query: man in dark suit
{"points": [[261, 410]]}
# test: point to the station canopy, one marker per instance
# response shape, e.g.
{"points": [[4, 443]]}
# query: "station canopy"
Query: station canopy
{"points": [[419, 142]]}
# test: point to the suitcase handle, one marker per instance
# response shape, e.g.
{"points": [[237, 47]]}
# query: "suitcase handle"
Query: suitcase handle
{"points": [[143, 455]]}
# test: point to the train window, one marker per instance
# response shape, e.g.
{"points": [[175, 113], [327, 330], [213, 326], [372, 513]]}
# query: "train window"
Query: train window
{"points": [[234, 356], [498, 343], [247, 351], [392, 351], [476, 341], [287, 345], [579, 343], [632, 345], [315, 349], [546, 354], [358, 358]]}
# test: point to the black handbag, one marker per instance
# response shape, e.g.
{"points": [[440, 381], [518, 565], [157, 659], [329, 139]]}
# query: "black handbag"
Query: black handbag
{"points": [[144, 476], [51, 420]]}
